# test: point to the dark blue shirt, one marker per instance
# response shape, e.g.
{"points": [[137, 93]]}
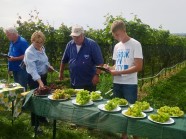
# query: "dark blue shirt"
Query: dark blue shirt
{"points": [[82, 64], [17, 49]]}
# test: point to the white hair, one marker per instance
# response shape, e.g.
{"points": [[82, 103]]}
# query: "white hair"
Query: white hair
{"points": [[11, 30]]}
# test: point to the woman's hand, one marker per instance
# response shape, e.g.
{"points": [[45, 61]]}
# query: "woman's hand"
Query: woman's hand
{"points": [[41, 85]]}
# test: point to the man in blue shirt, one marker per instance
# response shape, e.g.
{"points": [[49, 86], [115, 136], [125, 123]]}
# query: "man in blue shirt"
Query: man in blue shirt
{"points": [[83, 55], [17, 48]]}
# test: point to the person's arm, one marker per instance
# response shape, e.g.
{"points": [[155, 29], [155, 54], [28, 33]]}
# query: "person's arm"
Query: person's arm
{"points": [[16, 58], [61, 71], [31, 68], [64, 60], [138, 65], [95, 78], [98, 60], [41, 85]]}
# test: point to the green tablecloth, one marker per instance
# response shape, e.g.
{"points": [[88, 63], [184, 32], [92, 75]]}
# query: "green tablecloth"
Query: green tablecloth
{"points": [[9, 96], [91, 116]]}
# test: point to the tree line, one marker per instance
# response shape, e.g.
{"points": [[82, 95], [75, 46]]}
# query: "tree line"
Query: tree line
{"points": [[161, 49]]}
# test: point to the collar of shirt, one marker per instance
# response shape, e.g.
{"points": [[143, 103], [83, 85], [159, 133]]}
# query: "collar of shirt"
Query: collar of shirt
{"points": [[85, 42], [34, 49]]}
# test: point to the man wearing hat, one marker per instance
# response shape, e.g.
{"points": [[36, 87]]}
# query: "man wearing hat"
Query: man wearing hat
{"points": [[83, 55]]}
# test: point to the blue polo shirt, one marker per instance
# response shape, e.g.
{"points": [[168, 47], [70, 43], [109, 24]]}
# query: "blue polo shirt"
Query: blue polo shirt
{"points": [[82, 64], [17, 49]]}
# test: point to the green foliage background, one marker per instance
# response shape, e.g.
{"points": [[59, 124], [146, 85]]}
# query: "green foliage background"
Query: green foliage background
{"points": [[160, 48]]}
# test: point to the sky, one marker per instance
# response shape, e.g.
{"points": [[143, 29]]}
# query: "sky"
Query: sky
{"points": [[170, 14]]}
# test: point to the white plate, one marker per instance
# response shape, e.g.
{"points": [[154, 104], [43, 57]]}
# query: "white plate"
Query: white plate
{"points": [[87, 104], [98, 92], [123, 112], [79, 89], [170, 121], [51, 98], [41, 95], [102, 107], [170, 116], [98, 99], [123, 105], [147, 110]]}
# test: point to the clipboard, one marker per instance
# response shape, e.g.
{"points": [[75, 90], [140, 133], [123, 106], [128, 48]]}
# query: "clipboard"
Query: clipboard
{"points": [[103, 69], [4, 55]]}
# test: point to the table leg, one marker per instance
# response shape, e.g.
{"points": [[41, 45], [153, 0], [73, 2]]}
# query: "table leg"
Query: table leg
{"points": [[12, 112], [54, 129], [36, 126]]}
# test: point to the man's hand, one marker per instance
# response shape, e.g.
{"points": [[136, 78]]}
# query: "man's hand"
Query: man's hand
{"points": [[12, 58], [95, 79], [115, 72], [61, 76]]}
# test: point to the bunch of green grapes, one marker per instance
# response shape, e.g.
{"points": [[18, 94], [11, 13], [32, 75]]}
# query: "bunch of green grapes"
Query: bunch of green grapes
{"points": [[143, 105], [59, 94], [134, 111], [172, 111], [70, 91], [95, 95], [119, 101], [83, 97], [110, 106], [175, 111], [160, 117]]}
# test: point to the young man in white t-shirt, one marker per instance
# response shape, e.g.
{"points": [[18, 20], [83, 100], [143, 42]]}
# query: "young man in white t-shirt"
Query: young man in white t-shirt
{"points": [[128, 59]]}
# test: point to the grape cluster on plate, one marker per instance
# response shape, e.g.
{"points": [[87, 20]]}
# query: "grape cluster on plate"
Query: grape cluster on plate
{"points": [[95, 96], [42, 91], [110, 106], [70, 91], [142, 105], [160, 117], [82, 97], [119, 101], [60, 94], [172, 111], [134, 111]]}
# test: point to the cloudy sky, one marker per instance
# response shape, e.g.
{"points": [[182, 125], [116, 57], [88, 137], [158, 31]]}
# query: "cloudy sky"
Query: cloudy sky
{"points": [[170, 14]]}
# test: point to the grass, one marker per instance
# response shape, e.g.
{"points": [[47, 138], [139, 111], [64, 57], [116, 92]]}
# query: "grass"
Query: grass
{"points": [[171, 92], [21, 129]]}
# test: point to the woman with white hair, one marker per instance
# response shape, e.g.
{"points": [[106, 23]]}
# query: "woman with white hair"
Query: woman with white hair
{"points": [[17, 48]]}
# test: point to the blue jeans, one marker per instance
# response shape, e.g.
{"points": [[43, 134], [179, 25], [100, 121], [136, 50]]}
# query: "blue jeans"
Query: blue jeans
{"points": [[21, 77], [127, 91]]}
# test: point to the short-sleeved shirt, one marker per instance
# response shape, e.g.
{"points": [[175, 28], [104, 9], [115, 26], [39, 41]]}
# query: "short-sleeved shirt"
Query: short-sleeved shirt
{"points": [[82, 64], [124, 54], [17, 49]]}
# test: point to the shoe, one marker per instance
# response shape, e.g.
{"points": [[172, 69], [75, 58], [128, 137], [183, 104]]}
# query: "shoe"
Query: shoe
{"points": [[38, 130]]}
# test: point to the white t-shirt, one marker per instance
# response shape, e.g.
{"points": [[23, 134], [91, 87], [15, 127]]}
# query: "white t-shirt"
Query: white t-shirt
{"points": [[124, 54]]}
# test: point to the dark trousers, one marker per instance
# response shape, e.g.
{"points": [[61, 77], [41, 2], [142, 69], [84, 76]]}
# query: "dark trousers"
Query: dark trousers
{"points": [[21, 77], [85, 87], [35, 119]]}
